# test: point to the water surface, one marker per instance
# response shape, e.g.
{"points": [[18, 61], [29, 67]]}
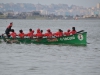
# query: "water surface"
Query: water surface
{"points": [[31, 59]]}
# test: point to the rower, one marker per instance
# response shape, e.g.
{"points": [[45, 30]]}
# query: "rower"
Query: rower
{"points": [[67, 33], [13, 34], [30, 34], [59, 33], [48, 34], [21, 34], [73, 31], [39, 34]]}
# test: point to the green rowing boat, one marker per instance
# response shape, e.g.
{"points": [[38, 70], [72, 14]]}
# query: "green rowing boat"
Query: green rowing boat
{"points": [[77, 39]]}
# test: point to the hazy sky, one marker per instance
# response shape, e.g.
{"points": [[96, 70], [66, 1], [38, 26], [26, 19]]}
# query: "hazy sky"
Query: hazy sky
{"points": [[84, 3]]}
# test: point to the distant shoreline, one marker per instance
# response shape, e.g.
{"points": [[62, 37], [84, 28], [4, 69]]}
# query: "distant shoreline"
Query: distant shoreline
{"points": [[55, 19]]}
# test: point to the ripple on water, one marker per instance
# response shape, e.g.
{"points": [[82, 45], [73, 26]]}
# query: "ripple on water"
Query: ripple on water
{"points": [[31, 59]]}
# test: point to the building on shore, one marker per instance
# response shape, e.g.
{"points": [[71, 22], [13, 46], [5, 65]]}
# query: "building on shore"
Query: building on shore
{"points": [[98, 6], [98, 9]]}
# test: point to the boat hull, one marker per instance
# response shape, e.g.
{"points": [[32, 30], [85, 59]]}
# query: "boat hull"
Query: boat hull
{"points": [[77, 39]]}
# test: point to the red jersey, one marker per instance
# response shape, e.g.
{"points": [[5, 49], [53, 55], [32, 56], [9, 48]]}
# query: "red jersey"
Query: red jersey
{"points": [[73, 32], [58, 34], [13, 35], [49, 34], [67, 33], [9, 26], [39, 35], [30, 34], [21, 35]]}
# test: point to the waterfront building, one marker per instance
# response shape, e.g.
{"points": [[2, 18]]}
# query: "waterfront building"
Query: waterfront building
{"points": [[98, 5]]}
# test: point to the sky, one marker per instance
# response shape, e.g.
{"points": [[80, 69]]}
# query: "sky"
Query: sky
{"points": [[84, 3]]}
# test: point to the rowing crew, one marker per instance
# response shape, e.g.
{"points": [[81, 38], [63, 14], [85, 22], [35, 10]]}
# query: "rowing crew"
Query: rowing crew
{"points": [[39, 33]]}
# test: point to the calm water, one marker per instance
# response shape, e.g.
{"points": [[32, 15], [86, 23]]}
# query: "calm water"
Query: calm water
{"points": [[31, 59]]}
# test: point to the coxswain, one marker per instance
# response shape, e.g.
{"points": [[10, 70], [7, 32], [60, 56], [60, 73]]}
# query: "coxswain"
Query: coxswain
{"points": [[67, 33], [73, 31], [21, 34], [30, 34], [48, 34], [13, 33], [8, 30]]}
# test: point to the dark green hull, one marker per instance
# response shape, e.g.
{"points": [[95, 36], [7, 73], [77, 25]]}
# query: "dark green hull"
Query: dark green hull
{"points": [[77, 39]]}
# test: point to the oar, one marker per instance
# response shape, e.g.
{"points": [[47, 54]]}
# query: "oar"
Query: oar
{"points": [[3, 37], [0, 36], [80, 31]]}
